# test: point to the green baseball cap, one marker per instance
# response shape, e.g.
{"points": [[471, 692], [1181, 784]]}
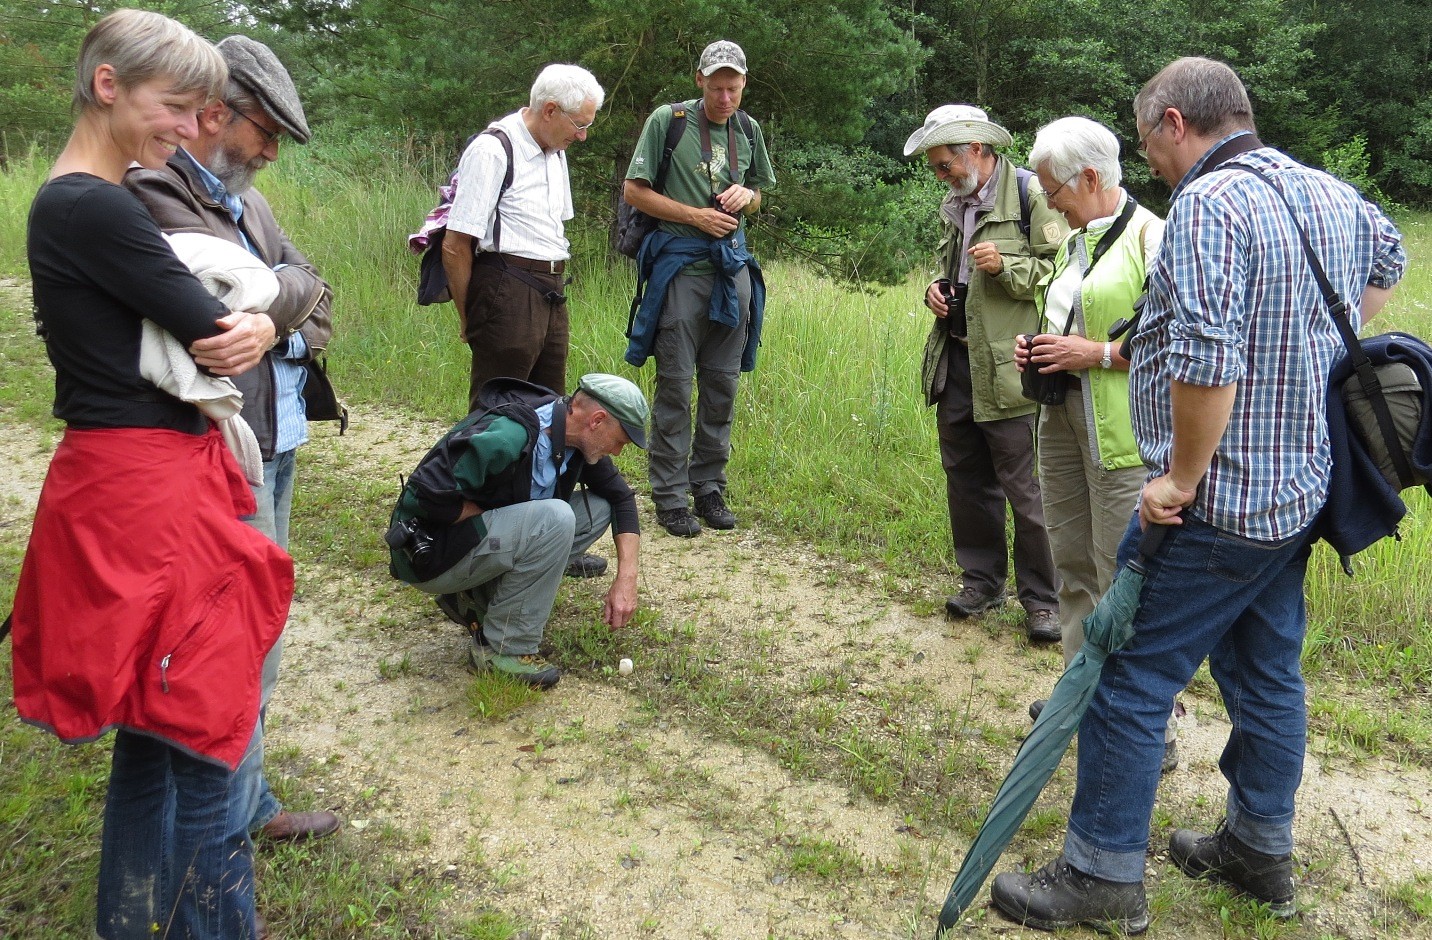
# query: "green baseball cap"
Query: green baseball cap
{"points": [[622, 399]]}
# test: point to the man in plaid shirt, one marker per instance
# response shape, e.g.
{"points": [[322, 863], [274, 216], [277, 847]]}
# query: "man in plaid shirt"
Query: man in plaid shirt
{"points": [[1229, 368]]}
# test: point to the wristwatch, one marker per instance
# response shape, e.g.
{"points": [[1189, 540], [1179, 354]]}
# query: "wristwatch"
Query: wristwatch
{"points": [[1108, 361]]}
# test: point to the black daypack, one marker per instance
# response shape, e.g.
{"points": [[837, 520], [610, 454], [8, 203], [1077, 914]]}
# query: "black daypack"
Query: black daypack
{"points": [[432, 482], [633, 225], [432, 277], [429, 501]]}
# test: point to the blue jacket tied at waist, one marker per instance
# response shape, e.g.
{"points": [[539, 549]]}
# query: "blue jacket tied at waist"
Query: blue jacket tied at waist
{"points": [[1362, 506], [662, 257]]}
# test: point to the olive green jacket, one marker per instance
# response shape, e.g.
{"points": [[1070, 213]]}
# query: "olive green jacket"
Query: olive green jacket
{"points": [[998, 307]]}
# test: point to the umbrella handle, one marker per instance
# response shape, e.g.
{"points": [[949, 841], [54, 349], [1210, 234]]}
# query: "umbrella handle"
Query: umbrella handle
{"points": [[1149, 544]]}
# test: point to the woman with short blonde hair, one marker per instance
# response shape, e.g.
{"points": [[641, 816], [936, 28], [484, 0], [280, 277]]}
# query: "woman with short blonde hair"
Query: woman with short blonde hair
{"points": [[145, 606]]}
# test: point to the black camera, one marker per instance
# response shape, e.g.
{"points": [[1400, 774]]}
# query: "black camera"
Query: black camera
{"points": [[954, 297], [716, 204], [416, 544], [1043, 388]]}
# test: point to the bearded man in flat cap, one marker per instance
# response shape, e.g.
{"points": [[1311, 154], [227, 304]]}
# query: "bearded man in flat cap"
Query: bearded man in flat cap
{"points": [[207, 188], [1000, 238]]}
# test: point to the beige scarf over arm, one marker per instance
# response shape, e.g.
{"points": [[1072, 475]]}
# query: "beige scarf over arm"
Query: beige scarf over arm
{"points": [[240, 281]]}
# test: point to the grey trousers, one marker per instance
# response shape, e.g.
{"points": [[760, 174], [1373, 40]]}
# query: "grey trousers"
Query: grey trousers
{"points": [[684, 459], [1086, 509], [987, 463], [511, 578]]}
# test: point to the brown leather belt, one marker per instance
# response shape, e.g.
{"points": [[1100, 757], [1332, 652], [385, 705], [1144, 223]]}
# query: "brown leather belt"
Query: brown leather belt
{"points": [[523, 264]]}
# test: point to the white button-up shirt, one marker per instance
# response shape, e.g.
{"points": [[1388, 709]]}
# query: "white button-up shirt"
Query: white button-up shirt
{"points": [[534, 209]]}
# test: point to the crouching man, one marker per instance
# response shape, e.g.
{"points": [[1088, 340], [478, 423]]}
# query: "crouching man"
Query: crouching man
{"points": [[491, 517]]}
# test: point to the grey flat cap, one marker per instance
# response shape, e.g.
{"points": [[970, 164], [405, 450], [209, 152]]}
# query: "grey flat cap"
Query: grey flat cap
{"points": [[254, 66]]}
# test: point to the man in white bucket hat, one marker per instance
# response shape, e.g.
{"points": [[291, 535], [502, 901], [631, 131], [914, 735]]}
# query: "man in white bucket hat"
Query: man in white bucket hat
{"points": [[999, 242]]}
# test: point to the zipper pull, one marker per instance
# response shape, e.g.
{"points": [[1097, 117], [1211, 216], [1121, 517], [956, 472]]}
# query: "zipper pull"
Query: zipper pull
{"points": [[163, 669]]}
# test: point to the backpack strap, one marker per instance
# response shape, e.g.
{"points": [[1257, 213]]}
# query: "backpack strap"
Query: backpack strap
{"points": [[1021, 179], [747, 127], [506, 142], [705, 124], [674, 130]]}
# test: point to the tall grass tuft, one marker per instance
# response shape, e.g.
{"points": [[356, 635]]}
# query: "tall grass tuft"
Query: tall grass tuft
{"points": [[19, 182]]}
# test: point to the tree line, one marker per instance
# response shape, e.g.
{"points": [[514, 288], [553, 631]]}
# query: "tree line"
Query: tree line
{"points": [[838, 84]]}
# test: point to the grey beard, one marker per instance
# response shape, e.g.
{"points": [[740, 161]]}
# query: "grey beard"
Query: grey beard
{"points": [[238, 178], [968, 185]]}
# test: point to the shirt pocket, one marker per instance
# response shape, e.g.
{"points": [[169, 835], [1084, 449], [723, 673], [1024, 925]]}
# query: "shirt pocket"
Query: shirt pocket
{"points": [[1010, 247], [1008, 390]]}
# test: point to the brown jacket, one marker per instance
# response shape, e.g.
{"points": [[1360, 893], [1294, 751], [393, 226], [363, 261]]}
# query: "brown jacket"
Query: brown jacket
{"points": [[180, 202]]}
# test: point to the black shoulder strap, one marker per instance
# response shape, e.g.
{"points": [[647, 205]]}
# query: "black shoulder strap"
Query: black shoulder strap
{"points": [[747, 127], [506, 142], [1105, 243], [1115, 230], [5, 627], [674, 130], [1361, 364], [1022, 178]]}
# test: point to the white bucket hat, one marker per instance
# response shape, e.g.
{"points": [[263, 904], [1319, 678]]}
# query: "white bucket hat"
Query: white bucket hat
{"points": [[953, 124]]}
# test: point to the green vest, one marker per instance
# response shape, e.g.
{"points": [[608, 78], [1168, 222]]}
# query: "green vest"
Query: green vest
{"points": [[1107, 295]]}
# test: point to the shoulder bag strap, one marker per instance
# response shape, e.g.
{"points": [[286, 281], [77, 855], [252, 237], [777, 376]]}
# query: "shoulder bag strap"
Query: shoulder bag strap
{"points": [[1366, 373], [1111, 236], [506, 142]]}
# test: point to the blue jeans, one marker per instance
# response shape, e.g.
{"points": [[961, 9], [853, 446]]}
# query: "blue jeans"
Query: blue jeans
{"points": [[175, 858], [1238, 603], [275, 498], [275, 502]]}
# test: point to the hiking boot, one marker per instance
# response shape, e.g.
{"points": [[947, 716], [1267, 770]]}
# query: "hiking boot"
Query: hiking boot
{"points": [[479, 655], [712, 510], [587, 566], [1223, 857], [1042, 626], [679, 522], [1059, 896], [531, 668], [971, 603]]}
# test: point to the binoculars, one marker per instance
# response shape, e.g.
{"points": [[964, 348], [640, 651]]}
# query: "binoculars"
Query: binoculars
{"points": [[1045, 389], [954, 297]]}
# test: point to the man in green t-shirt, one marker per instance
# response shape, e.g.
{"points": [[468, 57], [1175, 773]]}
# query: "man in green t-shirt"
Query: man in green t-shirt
{"points": [[701, 316]]}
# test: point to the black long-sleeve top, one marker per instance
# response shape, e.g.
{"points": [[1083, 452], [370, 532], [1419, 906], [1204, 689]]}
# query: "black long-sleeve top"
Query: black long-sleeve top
{"points": [[99, 266]]}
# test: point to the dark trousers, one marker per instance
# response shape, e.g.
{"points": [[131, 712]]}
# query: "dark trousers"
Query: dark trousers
{"points": [[986, 464], [514, 331]]}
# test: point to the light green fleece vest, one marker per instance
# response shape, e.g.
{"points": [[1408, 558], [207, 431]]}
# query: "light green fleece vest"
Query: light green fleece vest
{"points": [[1107, 295]]}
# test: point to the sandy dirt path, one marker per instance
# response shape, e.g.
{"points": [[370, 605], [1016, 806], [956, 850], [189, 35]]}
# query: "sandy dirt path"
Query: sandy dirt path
{"points": [[593, 813]]}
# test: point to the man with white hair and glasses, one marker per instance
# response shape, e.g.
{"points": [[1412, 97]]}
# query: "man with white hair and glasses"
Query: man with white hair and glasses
{"points": [[505, 251]]}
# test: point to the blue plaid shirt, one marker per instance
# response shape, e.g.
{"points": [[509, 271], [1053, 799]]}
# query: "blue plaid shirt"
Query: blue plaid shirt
{"points": [[1232, 300]]}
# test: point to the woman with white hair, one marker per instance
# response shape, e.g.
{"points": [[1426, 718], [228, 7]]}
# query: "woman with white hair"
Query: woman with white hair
{"points": [[1090, 471], [145, 606]]}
